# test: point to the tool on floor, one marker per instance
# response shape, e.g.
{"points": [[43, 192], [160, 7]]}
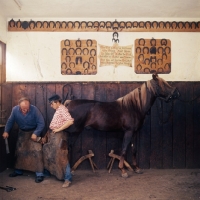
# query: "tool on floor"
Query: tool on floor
{"points": [[8, 188]]}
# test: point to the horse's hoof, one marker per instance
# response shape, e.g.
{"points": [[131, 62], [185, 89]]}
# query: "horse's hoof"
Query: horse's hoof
{"points": [[138, 171], [125, 175]]}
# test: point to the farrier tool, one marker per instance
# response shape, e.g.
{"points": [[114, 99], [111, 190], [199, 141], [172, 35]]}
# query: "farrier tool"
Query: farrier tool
{"points": [[8, 188]]}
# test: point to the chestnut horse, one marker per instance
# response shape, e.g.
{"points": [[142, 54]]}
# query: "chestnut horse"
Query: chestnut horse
{"points": [[126, 113]]}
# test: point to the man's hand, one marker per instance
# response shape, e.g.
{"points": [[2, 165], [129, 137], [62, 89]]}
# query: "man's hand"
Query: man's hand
{"points": [[56, 130], [34, 137], [5, 135]]}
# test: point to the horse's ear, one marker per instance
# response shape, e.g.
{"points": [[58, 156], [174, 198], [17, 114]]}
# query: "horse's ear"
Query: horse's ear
{"points": [[155, 76]]}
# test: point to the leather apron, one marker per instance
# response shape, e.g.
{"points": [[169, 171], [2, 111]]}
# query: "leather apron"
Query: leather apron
{"points": [[55, 154], [28, 153]]}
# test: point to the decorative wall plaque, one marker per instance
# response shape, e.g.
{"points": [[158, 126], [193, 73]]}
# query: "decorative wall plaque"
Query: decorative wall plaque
{"points": [[152, 55], [115, 55], [78, 57]]}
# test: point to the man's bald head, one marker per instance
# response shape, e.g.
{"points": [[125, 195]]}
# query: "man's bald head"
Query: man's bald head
{"points": [[24, 104]]}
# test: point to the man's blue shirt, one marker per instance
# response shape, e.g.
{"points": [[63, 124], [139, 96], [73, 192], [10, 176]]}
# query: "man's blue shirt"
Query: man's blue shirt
{"points": [[32, 120]]}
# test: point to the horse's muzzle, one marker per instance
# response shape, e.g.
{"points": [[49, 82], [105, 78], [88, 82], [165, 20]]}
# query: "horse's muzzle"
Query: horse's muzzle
{"points": [[174, 95]]}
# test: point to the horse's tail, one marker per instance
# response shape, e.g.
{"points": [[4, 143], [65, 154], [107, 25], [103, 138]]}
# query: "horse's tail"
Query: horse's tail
{"points": [[67, 102]]}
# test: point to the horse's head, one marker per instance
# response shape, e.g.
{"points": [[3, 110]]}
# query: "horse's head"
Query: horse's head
{"points": [[163, 90]]}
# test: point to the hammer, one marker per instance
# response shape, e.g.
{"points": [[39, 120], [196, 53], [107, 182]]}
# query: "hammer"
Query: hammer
{"points": [[7, 146]]}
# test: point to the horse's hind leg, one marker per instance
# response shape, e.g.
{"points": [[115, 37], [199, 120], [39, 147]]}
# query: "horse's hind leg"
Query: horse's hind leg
{"points": [[133, 149]]}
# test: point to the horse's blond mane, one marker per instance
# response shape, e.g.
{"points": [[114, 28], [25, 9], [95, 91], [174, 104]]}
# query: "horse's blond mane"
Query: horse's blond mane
{"points": [[66, 102], [139, 98]]}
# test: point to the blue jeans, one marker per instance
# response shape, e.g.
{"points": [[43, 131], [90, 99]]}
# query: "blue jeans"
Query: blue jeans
{"points": [[68, 175], [20, 171]]}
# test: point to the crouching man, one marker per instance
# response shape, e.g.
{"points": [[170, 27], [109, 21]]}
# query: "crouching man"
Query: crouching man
{"points": [[55, 151], [28, 151]]}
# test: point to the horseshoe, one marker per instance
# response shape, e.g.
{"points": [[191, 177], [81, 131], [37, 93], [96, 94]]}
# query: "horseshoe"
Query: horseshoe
{"points": [[66, 42], [155, 22], [90, 24], [59, 24], [181, 23], [128, 24], [10, 22], [64, 49], [52, 22], [108, 24], [146, 60], [89, 41], [96, 24], [92, 51], [24, 24], [147, 22], [141, 39], [38, 23], [141, 24], [151, 41], [160, 49], [163, 42], [146, 49], [138, 49], [78, 41], [122, 24], [87, 63], [63, 64], [84, 51], [102, 24], [77, 22], [63, 22], [72, 63], [115, 25], [167, 25], [135, 24], [69, 51], [94, 67], [167, 48], [195, 25], [70, 22], [20, 24], [174, 24], [68, 70], [83, 22], [32, 22], [159, 24], [45, 22], [67, 59]]}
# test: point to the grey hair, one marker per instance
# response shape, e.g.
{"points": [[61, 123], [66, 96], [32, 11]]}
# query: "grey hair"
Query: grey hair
{"points": [[24, 99]]}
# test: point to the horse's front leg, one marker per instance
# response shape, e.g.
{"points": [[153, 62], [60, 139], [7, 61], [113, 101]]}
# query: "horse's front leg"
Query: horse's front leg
{"points": [[133, 149], [126, 141]]}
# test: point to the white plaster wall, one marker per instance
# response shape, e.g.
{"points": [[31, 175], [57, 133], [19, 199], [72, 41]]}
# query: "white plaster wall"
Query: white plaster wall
{"points": [[3, 29], [35, 56]]}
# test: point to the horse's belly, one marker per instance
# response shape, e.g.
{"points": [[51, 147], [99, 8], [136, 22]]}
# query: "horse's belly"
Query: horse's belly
{"points": [[105, 126]]}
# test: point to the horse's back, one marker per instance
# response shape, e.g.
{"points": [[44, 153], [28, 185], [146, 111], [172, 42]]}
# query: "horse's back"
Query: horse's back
{"points": [[97, 114]]}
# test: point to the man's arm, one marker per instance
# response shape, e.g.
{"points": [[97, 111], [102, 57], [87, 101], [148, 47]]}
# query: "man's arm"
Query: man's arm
{"points": [[64, 126], [9, 124]]}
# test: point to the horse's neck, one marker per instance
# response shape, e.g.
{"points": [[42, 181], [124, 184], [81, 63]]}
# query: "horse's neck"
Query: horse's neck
{"points": [[146, 97], [141, 98]]}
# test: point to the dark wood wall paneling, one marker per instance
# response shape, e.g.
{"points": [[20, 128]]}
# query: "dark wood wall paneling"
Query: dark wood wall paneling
{"points": [[169, 138]]}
